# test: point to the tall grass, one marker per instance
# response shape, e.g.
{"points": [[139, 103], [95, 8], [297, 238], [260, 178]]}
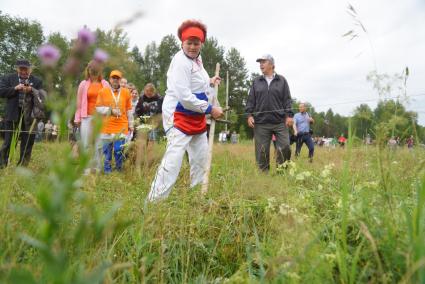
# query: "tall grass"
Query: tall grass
{"points": [[329, 221], [15, 140]]}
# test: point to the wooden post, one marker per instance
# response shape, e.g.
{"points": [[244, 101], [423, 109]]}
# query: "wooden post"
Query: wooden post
{"points": [[227, 97], [206, 178]]}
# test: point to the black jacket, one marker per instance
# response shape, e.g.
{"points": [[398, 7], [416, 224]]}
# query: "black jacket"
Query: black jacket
{"points": [[7, 90], [149, 106], [269, 104]]}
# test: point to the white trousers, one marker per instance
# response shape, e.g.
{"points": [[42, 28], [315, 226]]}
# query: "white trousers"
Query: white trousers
{"points": [[86, 133], [168, 171], [86, 130]]}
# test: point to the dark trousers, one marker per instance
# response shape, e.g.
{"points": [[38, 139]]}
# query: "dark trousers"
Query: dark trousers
{"points": [[27, 141], [263, 136], [304, 138]]}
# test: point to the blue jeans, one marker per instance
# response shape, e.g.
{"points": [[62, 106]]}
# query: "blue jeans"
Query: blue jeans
{"points": [[304, 138], [116, 147]]}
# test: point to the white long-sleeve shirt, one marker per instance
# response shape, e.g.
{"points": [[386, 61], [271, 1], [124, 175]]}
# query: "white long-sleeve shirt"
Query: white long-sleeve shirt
{"points": [[186, 78]]}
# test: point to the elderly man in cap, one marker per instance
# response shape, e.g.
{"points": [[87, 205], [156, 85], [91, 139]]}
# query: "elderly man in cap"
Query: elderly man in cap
{"points": [[114, 104], [269, 109], [24, 104]]}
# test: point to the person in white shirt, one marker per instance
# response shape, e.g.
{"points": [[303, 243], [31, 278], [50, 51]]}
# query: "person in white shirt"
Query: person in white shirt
{"points": [[183, 111], [48, 128]]}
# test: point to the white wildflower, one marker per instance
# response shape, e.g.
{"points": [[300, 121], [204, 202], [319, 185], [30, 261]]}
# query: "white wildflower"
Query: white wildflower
{"points": [[120, 136], [373, 184], [300, 176], [285, 209], [293, 275], [325, 173], [144, 127], [330, 257], [271, 203], [358, 187]]}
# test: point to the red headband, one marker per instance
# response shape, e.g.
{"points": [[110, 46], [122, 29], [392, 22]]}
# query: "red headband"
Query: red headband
{"points": [[193, 32]]}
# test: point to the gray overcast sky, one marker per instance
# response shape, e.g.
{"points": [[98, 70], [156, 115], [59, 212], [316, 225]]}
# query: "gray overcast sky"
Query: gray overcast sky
{"points": [[305, 37]]}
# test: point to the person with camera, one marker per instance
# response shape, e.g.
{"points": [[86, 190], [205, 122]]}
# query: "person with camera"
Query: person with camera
{"points": [[303, 131], [24, 105], [114, 104]]}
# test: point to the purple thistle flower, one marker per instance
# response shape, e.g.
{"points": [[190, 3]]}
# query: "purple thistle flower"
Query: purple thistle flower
{"points": [[48, 54], [86, 36], [100, 55]]}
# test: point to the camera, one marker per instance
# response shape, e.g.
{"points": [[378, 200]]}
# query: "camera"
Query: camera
{"points": [[24, 82]]}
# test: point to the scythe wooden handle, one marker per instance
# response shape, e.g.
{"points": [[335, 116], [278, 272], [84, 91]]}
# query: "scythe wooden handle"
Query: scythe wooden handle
{"points": [[206, 178]]}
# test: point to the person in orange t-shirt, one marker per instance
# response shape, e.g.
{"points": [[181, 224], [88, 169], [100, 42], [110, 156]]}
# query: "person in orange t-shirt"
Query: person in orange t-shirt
{"points": [[114, 104]]}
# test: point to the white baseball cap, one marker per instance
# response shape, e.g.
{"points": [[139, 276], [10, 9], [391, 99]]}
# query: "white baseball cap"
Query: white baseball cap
{"points": [[266, 57]]}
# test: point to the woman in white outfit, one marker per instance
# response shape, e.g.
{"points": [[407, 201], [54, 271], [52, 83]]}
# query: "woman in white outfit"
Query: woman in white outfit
{"points": [[183, 112]]}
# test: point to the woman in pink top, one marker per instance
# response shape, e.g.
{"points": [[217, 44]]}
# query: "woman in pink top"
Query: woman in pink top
{"points": [[86, 100]]}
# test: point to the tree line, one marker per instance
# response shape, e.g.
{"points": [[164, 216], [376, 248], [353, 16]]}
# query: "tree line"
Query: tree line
{"points": [[20, 38]]}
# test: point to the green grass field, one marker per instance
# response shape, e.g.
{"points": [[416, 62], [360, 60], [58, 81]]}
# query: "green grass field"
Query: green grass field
{"points": [[355, 215]]}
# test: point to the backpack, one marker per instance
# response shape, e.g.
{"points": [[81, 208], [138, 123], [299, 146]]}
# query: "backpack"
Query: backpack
{"points": [[38, 110]]}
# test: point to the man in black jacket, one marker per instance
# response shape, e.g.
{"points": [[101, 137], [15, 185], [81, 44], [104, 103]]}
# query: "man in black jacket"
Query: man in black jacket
{"points": [[269, 109], [24, 98]]}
